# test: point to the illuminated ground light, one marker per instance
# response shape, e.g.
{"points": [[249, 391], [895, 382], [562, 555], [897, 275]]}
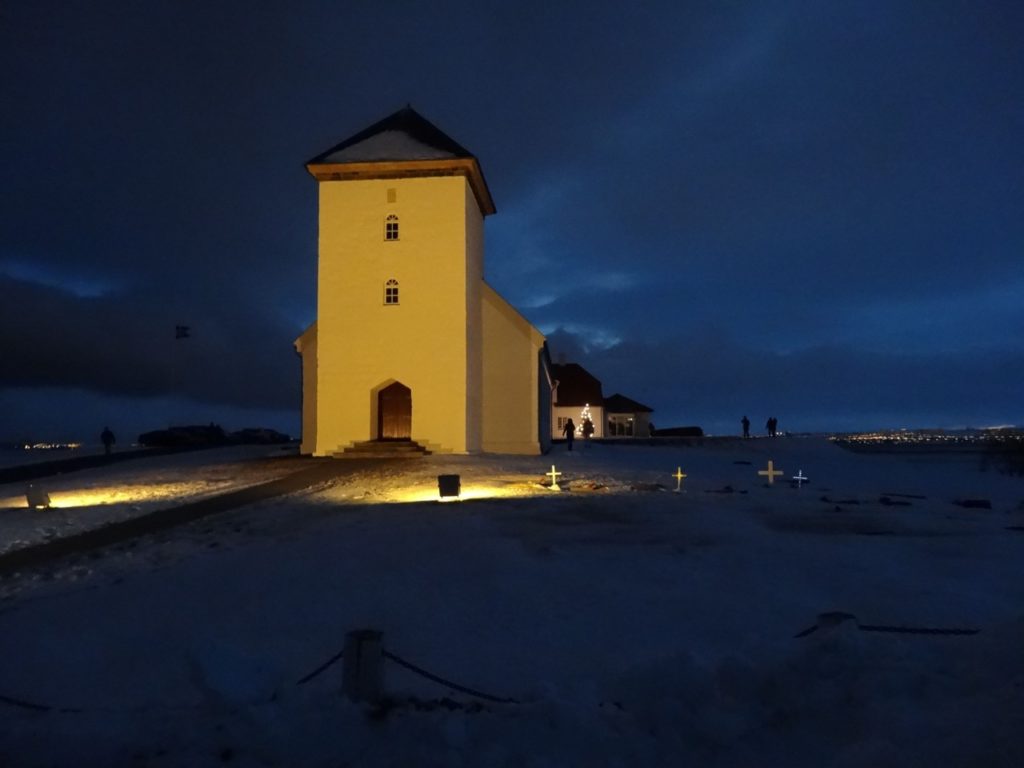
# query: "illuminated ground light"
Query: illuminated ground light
{"points": [[37, 498], [95, 497], [448, 486], [467, 492]]}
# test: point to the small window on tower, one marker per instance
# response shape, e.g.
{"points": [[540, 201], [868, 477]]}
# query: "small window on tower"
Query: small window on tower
{"points": [[392, 195], [391, 227], [391, 292]]}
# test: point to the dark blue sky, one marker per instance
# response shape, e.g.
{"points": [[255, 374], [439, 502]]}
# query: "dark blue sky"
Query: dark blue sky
{"points": [[807, 210]]}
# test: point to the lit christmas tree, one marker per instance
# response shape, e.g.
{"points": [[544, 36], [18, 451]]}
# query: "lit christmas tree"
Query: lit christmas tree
{"points": [[584, 416]]}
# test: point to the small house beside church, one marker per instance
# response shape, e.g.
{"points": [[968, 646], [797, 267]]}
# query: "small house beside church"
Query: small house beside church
{"points": [[410, 342], [578, 395], [626, 417]]}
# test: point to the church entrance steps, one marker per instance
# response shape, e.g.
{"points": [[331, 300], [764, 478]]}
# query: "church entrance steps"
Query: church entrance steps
{"points": [[382, 449]]}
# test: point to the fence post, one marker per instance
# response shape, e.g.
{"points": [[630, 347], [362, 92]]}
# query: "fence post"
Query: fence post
{"points": [[363, 670]]}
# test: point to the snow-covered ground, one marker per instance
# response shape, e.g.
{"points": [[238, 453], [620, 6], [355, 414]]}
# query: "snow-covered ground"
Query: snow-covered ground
{"points": [[91, 497], [634, 625]]}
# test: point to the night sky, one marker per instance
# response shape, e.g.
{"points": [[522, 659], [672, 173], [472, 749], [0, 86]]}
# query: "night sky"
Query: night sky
{"points": [[801, 209]]}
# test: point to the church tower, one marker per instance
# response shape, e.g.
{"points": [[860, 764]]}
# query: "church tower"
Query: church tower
{"points": [[397, 350]]}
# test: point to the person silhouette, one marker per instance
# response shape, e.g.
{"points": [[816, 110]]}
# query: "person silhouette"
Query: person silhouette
{"points": [[746, 426], [108, 440], [588, 429], [569, 430]]}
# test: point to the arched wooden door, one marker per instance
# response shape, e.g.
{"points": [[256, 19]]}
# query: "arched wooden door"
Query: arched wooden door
{"points": [[394, 412]]}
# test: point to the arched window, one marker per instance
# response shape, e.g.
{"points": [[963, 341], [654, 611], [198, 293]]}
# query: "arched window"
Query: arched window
{"points": [[391, 227], [391, 292]]}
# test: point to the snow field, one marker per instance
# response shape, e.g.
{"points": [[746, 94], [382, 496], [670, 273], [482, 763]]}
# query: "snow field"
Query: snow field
{"points": [[635, 627]]}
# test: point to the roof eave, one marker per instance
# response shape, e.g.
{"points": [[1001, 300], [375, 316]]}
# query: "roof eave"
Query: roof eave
{"points": [[397, 169]]}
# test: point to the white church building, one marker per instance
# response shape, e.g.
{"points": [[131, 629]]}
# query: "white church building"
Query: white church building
{"points": [[410, 343]]}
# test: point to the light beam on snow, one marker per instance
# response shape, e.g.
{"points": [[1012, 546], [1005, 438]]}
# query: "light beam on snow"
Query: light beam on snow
{"points": [[470, 491]]}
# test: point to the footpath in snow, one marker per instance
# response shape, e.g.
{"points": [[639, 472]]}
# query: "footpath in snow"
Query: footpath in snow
{"points": [[89, 498]]}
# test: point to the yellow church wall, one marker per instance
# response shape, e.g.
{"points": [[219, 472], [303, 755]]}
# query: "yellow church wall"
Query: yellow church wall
{"points": [[424, 342], [474, 332], [305, 345], [511, 373]]}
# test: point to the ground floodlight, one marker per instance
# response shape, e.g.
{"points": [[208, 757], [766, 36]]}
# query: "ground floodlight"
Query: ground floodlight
{"points": [[449, 485], [37, 497]]}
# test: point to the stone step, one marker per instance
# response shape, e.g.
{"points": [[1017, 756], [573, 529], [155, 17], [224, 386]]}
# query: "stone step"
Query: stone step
{"points": [[382, 449], [385, 449], [377, 455]]}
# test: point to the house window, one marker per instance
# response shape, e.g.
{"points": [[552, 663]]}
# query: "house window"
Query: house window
{"points": [[620, 426], [391, 292], [391, 227]]}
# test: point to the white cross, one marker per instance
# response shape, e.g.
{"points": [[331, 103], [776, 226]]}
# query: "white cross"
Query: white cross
{"points": [[800, 479], [554, 478], [770, 473], [679, 479]]}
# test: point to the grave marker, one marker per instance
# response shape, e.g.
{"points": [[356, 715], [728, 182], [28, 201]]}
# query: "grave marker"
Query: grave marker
{"points": [[679, 479], [771, 473]]}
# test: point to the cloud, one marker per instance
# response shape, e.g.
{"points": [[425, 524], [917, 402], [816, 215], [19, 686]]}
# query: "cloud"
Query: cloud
{"points": [[125, 345], [782, 181], [712, 380], [62, 414], [55, 277]]}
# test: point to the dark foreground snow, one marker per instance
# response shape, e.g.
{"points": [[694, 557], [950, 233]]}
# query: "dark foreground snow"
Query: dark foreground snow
{"points": [[634, 627]]}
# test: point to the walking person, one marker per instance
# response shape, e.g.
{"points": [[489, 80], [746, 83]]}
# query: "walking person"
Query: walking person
{"points": [[569, 430], [746, 426]]}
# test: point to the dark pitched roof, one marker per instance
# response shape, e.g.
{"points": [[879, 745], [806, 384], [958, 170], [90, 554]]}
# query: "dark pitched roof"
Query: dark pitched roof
{"points": [[621, 404], [404, 135], [576, 386]]}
